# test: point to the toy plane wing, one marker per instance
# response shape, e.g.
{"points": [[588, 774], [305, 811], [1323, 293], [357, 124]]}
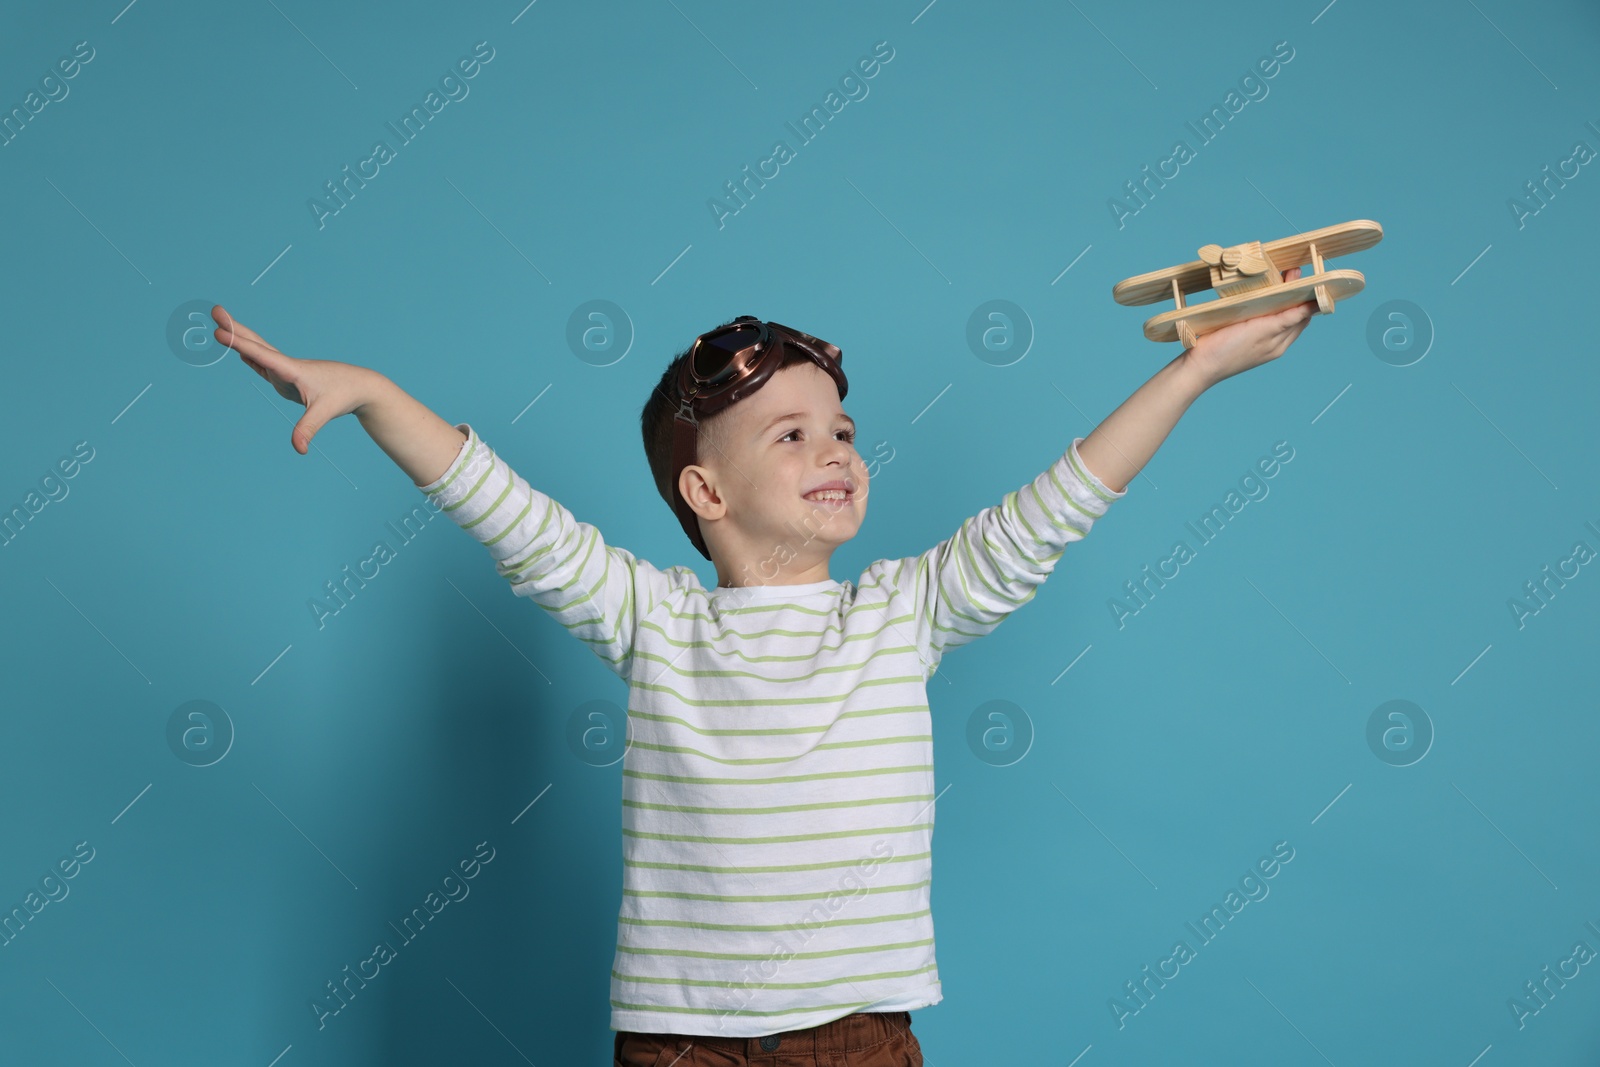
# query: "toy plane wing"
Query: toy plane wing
{"points": [[1248, 279]]}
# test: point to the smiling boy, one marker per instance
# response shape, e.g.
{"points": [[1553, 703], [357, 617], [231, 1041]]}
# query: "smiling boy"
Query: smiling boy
{"points": [[778, 790], [768, 503]]}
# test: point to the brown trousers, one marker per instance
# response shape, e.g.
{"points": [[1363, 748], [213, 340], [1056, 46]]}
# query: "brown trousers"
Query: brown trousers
{"points": [[865, 1039]]}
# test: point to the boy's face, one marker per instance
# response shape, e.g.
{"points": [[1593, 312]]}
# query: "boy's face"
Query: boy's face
{"points": [[750, 488]]}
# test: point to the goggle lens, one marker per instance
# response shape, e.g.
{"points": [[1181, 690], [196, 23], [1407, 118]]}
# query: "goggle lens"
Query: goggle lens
{"points": [[713, 356]]}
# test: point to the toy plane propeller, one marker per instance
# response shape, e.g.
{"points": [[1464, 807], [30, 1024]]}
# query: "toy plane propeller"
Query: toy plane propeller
{"points": [[1249, 281]]}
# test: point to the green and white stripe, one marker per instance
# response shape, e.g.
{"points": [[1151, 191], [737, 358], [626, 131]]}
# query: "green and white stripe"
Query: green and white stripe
{"points": [[778, 793]]}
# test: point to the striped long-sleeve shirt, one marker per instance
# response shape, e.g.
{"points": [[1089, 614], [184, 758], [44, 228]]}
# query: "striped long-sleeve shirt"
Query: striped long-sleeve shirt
{"points": [[777, 787]]}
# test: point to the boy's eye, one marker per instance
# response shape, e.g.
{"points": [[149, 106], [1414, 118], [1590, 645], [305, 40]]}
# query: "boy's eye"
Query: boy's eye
{"points": [[849, 435]]}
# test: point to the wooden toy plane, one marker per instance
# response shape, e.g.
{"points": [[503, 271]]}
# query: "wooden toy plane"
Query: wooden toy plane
{"points": [[1249, 281]]}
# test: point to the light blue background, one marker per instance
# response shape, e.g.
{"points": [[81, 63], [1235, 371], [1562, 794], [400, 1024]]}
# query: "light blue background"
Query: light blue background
{"points": [[1229, 714]]}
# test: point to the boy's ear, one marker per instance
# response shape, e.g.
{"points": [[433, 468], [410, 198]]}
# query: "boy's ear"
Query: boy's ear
{"points": [[703, 499]]}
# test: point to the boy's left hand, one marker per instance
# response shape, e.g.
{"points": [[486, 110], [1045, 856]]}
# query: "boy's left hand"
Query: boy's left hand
{"points": [[1250, 342]]}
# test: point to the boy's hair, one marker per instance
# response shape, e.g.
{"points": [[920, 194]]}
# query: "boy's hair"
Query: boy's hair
{"points": [[656, 422]]}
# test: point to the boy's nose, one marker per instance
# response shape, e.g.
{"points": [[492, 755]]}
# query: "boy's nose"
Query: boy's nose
{"points": [[839, 451]]}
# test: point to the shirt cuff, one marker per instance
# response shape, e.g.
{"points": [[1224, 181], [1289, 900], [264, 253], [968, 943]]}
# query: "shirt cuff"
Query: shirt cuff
{"points": [[468, 447], [1087, 476]]}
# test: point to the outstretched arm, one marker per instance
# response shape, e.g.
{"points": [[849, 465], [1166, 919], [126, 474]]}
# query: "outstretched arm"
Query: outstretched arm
{"points": [[420, 442], [1117, 450], [599, 592]]}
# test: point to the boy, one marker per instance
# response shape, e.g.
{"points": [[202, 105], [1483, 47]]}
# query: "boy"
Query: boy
{"points": [[778, 779]]}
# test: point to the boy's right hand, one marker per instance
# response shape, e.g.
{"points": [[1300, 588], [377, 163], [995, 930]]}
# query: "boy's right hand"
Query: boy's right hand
{"points": [[326, 388]]}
